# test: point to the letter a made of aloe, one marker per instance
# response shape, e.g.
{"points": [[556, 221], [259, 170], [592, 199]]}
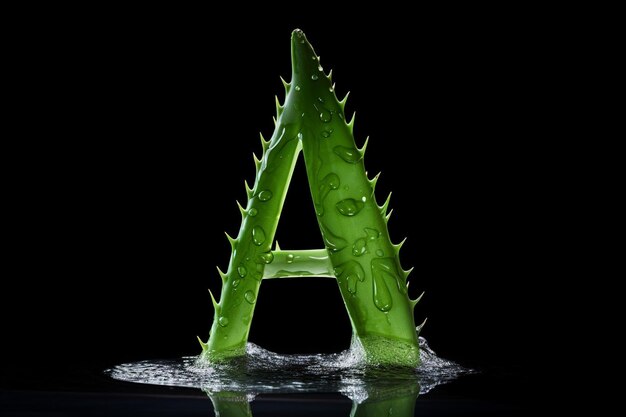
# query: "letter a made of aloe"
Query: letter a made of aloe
{"points": [[358, 253]]}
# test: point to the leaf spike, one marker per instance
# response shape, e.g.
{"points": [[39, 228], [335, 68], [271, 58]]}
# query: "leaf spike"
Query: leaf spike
{"points": [[330, 75], [264, 143], [342, 103], [388, 216], [274, 119], [419, 328], [407, 273], [364, 147], [277, 246], [374, 181], [257, 162], [417, 300], [351, 122], [222, 274], [279, 108], [232, 241], [241, 209], [216, 305], [249, 191], [385, 206], [399, 245], [286, 85], [205, 346]]}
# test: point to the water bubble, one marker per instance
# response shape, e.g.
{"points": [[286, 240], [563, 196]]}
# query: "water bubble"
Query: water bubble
{"points": [[325, 116], [359, 247], [319, 68], [297, 88], [330, 182], [236, 283], [223, 321], [265, 258], [321, 100], [250, 297], [252, 212], [290, 258], [242, 271], [314, 77], [349, 207], [350, 155], [351, 272], [325, 134], [382, 298], [333, 242], [364, 199], [380, 253], [265, 195], [258, 235], [386, 270], [372, 234]]}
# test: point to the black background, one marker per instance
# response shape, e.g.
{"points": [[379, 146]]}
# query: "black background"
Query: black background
{"points": [[121, 198]]}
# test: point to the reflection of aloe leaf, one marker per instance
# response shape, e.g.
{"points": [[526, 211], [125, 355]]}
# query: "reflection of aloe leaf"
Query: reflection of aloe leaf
{"points": [[396, 400], [230, 404], [382, 399]]}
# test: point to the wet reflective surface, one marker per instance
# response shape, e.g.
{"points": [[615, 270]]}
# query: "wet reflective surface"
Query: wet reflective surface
{"points": [[233, 387], [270, 384], [265, 372]]}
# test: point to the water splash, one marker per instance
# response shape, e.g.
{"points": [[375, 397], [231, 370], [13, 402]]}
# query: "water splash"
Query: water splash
{"points": [[262, 371]]}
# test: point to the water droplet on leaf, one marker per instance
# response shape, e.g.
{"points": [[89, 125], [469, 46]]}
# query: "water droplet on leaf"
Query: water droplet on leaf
{"points": [[252, 212], [359, 247], [349, 207], [350, 272], [314, 77], [290, 258], [333, 242], [250, 297], [265, 195], [325, 115], [350, 155], [258, 235], [223, 321], [242, 271], [265, 258]]}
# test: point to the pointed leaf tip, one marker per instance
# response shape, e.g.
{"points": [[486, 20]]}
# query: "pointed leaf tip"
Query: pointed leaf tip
{"points": [[419, 328], [222, 274], [205, 346], [385, 206], [343, 102], [241, 209], [249, 191], [216, 305], [279, 107], [364, 147], [351, 123], [264, 143], [231, 240], [388, 216]]}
